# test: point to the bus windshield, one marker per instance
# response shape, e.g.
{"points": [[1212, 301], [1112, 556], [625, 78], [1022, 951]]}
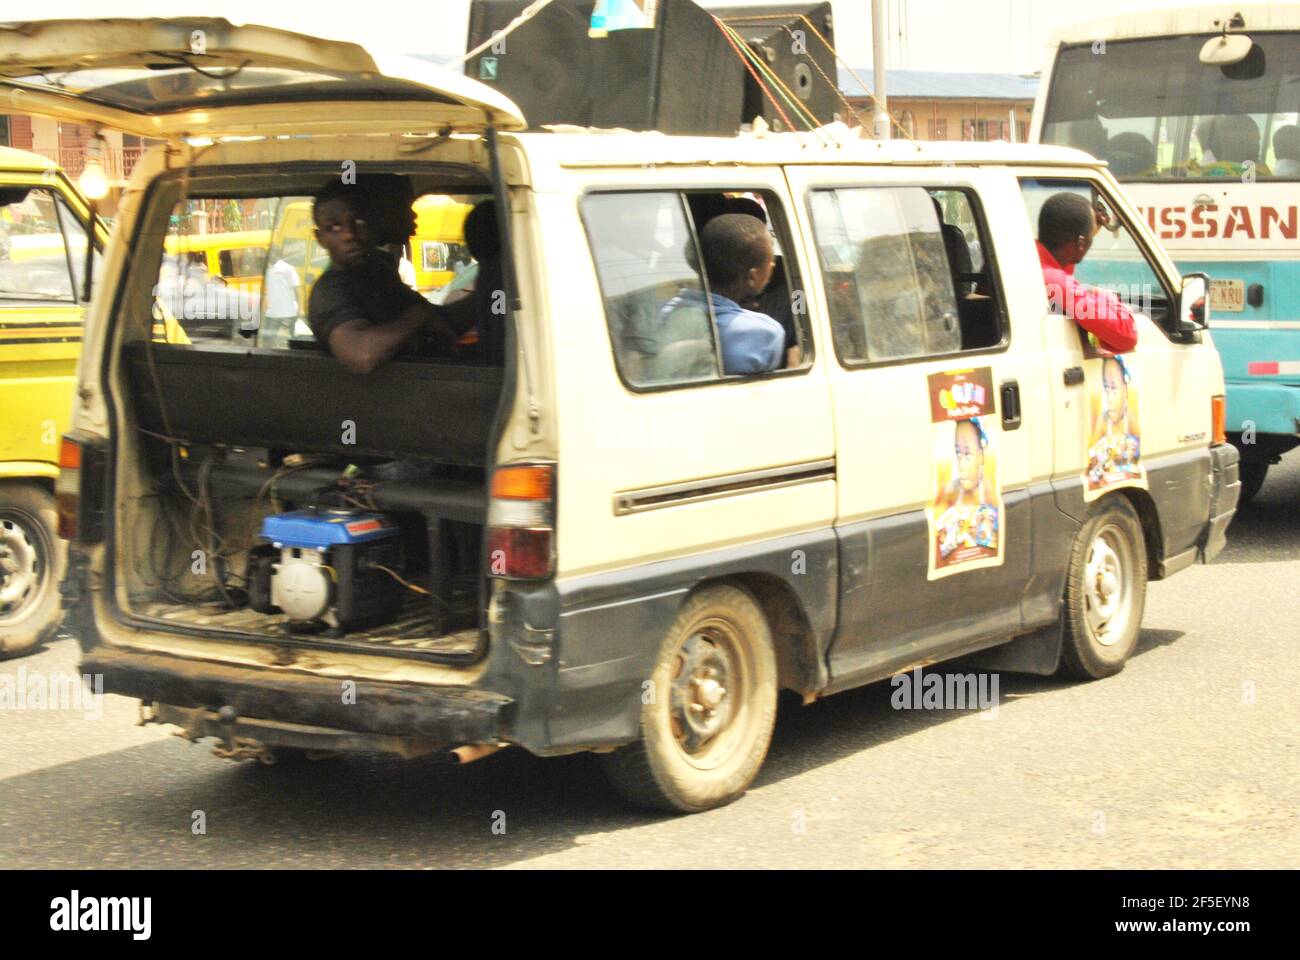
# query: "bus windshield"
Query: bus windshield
{"points": [[1153, 111]]}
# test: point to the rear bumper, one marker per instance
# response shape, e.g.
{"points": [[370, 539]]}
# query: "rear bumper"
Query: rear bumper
{"points": [[1269, 408], [435, 715], [1225, 491], [440, 716]]}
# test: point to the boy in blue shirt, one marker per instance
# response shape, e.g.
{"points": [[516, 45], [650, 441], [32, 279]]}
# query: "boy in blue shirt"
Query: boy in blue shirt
{"points": [[738, 261]]}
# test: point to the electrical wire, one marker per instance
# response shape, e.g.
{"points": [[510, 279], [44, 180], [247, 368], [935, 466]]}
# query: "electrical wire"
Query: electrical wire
{"points": [[757, 79], [788, 95], [418, 589], [842, 62]]}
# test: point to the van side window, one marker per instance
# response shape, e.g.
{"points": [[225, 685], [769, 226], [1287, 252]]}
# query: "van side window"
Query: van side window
{"points": [[905, 271], [34, 259], [74, 229], [645, 257], [669, 320], [1115, 261]]}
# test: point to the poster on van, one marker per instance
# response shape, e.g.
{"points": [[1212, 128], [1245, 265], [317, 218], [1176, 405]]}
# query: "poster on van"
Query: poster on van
{"points": [[965, 516], [1114, 454]]}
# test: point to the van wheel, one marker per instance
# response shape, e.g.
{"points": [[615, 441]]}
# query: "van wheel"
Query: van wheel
{"points": [[1252, 473], [1105, 591], [707, 729], [32, 561]]}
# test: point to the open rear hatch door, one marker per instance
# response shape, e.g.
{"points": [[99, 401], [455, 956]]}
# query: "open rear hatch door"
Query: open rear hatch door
{"points": [[206, 77]]}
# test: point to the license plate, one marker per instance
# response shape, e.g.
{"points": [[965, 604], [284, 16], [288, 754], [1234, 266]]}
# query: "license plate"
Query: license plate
{"points": [[1228, 295]]}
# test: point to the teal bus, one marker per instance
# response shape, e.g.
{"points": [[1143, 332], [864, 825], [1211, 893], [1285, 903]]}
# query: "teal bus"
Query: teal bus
{"points": [[1197, 111]]}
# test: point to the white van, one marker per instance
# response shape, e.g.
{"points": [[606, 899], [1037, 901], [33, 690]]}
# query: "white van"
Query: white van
{"points": [[606, 542]]}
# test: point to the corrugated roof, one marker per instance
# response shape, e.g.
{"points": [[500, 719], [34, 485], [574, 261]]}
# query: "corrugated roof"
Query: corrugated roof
{"points": [[936, 83]]}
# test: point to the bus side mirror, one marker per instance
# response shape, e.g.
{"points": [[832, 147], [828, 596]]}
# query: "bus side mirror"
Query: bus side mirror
{"points": [[1194, 303]]}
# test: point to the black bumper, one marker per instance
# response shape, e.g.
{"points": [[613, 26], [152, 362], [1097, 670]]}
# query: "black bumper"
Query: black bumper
{"points": [[1225, 491], [451, 716]]}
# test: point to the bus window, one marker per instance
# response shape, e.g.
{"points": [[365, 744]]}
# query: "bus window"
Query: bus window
{"points": [[1184, 120]]}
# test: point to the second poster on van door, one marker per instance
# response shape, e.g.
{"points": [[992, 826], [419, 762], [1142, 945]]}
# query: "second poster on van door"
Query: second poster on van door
{"points": [[1114, 454], [965, 514]]}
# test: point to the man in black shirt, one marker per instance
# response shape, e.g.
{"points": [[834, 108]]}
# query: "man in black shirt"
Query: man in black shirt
{"points": [[359, 309]]}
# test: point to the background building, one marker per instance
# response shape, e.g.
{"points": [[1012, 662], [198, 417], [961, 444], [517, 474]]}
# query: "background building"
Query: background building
{"points": [[65, 144], [933, 105]]}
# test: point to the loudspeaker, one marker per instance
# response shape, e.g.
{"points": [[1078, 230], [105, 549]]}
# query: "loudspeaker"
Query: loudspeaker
{"points": [[794, 53], [682, 76]]}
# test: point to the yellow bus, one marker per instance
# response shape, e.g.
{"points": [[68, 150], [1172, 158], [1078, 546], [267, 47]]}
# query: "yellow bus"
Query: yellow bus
{"points": [[236, 257], [43, 227]]}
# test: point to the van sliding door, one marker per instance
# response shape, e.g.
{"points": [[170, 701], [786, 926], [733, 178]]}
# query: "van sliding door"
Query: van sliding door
{"points": [[934, 413]]}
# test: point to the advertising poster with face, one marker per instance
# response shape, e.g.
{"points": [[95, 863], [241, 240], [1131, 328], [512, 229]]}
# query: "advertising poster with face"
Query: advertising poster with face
{"points": [[1114, 454], [965, 516]]}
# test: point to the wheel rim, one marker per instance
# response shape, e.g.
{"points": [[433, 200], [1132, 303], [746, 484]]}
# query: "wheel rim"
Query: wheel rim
{"points": [[1109, 587], [24, 566], [711, 677]]}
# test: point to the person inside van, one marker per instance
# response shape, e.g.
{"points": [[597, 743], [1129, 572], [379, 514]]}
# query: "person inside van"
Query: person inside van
{"points": [[360, 310], [390, 198], [1286, 150], [483, 238], [738, 261], [1066, 225], [774, 301]]}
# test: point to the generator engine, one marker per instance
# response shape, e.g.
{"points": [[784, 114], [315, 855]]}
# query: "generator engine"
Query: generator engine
{"points": [[322, 567]]}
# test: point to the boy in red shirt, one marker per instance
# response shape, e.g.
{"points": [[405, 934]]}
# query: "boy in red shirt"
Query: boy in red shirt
{"points": [[1066, 225]]}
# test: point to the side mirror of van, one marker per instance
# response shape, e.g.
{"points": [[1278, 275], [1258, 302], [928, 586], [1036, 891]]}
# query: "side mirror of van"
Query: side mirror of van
{"points": [[1194, 303]]}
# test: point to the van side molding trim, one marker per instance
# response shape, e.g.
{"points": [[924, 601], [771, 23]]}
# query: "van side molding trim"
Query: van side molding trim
{"points": [[732, 484]]}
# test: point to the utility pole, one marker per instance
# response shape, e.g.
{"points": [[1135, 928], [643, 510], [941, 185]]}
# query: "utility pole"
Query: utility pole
{"points": [[878, 68]]}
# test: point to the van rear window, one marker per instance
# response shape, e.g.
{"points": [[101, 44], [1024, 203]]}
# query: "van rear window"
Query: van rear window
{"points": [[240, 270]]}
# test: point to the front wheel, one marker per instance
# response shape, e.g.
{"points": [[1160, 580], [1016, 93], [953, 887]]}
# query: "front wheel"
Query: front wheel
{"points": [[1105, 591], [708, 713], [32, 560]]}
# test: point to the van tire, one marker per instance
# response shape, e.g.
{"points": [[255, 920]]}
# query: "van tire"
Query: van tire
{"points": [[34, 559], [1105, 591], [699, 747], [1252, 473]]}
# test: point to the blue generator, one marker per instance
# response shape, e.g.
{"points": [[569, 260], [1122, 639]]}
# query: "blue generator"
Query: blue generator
{"points": [[325, 567]]}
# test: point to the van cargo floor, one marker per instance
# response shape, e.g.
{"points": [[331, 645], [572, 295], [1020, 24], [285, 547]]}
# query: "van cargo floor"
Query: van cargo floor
{"points": [[413, 630]]}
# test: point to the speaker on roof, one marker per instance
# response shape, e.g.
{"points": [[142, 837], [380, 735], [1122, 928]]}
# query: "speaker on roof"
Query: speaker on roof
{"points": [[796, 42], [678, 73]]}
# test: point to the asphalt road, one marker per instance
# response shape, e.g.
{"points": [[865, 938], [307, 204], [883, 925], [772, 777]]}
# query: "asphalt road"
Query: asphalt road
{"points": [[1190, 758]]}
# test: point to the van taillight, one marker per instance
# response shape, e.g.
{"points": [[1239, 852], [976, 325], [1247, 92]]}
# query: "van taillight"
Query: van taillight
{"points": [[79, 489], [521, 522], [1218, 419]]}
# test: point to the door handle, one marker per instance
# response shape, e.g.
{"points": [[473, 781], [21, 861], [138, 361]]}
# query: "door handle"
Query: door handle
{"points": [[1010, 390], [1073, 376]]}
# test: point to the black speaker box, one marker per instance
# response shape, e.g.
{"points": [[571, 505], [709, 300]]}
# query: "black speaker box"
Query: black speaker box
{"points": [[680, 77], [794, 53]]}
